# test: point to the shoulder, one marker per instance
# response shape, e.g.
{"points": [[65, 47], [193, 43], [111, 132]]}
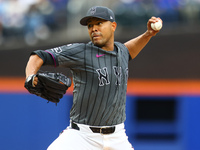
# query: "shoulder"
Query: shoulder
{"points": [[123, 49], [78, 46], [121, 46], [68, 48], [73, 46]]}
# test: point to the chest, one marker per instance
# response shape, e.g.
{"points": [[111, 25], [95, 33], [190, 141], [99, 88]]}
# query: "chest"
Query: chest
{"points": [[107, 67]]}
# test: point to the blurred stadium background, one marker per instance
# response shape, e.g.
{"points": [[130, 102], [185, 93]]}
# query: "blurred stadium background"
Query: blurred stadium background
{"points": [[163, 96]]}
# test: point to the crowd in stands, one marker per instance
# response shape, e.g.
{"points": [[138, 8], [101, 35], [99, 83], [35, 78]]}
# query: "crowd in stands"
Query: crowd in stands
{"points": [[31, 19], [136, 12], [35, 20]]}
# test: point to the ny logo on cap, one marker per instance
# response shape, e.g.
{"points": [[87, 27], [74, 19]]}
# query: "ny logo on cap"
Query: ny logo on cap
{"points": [[93, 10]]}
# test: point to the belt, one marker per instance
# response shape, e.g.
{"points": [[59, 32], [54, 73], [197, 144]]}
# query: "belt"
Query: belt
{"points": [[103, 130]]}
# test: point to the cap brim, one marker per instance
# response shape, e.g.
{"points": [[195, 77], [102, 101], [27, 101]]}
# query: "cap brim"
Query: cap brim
{"points": [[84, 20]]}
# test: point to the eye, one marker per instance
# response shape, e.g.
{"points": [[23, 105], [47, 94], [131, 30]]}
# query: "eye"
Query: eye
{"points": [[89, 26], [99, 23]]}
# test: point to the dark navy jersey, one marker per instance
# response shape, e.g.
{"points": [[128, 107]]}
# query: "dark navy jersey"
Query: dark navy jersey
{"points": [[100, 81]]}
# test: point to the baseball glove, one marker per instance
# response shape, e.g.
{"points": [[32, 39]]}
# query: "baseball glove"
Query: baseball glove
{"points": [[50, 86]]}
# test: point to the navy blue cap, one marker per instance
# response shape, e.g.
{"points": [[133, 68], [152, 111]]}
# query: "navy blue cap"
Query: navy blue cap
{"points": [[98, 12]]}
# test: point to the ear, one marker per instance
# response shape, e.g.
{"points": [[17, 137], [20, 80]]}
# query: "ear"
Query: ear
{"points": [[114, 26]]}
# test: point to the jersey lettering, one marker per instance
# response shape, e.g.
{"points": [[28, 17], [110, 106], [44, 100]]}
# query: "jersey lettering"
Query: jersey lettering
{"points": [[118, 74], [57, 50], [103, 76]]}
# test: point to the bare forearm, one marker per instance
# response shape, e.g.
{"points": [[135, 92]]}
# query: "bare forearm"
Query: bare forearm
{"points": [[33, 65], [137, 44]]}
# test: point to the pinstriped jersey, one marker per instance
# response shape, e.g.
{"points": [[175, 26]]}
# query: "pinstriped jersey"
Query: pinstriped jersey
{"points": [[100, 82]]}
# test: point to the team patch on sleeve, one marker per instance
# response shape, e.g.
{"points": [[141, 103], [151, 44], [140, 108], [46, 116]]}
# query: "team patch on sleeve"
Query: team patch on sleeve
{"points": [[57, 50]]}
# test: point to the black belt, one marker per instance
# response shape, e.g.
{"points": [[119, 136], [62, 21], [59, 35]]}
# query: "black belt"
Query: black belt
{"points": [[103, 130]]}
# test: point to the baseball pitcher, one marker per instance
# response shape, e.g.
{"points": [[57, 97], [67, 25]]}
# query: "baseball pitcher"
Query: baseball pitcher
{"points": [[100, 74]]}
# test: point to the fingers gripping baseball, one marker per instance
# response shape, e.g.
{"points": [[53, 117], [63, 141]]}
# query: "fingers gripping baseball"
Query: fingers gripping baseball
{"points": [[154, 25]]}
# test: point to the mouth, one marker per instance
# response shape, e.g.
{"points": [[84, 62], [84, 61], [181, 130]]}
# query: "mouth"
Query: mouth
{"points": [[95, 35]]}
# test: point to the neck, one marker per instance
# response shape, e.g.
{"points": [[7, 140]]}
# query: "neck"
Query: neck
{"points": [[108, 47]]}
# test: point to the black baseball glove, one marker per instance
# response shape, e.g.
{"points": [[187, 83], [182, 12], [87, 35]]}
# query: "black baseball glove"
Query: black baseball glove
{"points": [[50, 86]]}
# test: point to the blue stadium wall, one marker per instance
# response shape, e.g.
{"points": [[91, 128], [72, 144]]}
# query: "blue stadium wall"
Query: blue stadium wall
{"points": [[154, 122]]}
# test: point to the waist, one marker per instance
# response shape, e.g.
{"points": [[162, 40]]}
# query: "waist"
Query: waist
{"points": [[97, 129]]}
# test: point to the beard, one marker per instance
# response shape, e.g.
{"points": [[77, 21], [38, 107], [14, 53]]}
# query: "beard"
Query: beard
{"points": [[98, 44], [101, 41]]}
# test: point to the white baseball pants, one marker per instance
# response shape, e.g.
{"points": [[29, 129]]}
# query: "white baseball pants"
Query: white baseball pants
{"points": [[85, 139]]}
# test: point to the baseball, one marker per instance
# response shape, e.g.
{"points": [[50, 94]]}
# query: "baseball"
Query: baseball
{"points": [[156, 26]]}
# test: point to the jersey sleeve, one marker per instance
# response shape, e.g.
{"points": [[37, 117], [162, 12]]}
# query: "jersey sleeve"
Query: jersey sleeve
{"points": [[47, 57], [70, 55]]}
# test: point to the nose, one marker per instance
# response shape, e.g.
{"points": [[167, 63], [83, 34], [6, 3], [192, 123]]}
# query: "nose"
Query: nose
{"points": [[94, 28]]}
